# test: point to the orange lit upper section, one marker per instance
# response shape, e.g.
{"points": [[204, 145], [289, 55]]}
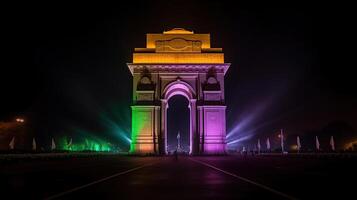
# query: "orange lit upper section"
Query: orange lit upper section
{"points": [[178, 31], [178, 46]]}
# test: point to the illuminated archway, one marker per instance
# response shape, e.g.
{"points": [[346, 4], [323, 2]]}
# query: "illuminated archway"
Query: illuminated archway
{"points": [[179, 88], [178, 62]]}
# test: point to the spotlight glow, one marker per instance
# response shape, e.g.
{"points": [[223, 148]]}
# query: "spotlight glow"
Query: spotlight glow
{"points": [[87, 144], [247, 137], [246, 128]]}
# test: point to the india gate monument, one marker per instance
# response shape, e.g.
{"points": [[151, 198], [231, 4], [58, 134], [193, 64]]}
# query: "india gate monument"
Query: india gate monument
{"points": [[178, 62]]}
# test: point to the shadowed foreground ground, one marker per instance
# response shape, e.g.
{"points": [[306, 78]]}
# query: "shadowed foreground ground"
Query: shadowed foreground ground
{"points": [[228, 177]]}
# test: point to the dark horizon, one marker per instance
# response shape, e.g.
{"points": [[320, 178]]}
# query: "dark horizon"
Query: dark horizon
{"points": [[65, 66]]}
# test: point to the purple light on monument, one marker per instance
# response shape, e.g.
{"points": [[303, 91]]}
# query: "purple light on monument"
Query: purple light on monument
{"points": [[214, 126], [179, 89], [214, 138]]}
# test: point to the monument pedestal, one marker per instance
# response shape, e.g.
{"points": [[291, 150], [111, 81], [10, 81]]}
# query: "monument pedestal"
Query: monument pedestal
{"points": [[144, 129], [213, 134]]}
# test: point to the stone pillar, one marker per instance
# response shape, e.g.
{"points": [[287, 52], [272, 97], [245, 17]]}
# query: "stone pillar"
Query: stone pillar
{"points": [[163, 132], [214, 129], [193, 129], [157, 129], [200, 128]]}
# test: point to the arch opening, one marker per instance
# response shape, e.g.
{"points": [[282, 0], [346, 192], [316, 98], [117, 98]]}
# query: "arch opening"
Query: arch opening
{"points": [[178, 124], [179, 88]]}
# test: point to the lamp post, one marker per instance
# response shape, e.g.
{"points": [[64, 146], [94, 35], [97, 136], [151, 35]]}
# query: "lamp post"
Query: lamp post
{"points": [[20, 120]]}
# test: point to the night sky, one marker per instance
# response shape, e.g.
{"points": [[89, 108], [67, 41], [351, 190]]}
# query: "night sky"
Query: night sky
{"points": [[64, 67]]}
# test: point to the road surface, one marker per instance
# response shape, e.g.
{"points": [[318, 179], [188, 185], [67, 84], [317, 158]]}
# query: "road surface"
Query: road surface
{"points": [[225, 177]]}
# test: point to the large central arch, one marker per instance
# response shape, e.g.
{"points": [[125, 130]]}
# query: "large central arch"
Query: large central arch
{"points": [[179, 88], [178, 62]]}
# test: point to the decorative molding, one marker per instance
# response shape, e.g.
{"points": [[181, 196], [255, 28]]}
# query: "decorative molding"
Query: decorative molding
{"points": [[177, 68], [178, 45]]}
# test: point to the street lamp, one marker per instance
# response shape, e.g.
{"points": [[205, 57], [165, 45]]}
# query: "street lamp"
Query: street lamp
{"points": [[20, 120]]}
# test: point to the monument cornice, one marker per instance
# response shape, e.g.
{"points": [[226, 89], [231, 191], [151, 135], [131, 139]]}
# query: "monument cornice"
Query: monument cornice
{"points": [[174, 68]]}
